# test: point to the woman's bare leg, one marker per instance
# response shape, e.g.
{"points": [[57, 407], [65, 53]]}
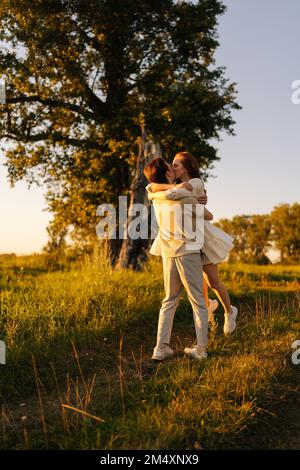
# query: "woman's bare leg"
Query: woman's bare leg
{"points": [[210, 272], [205, 292]]}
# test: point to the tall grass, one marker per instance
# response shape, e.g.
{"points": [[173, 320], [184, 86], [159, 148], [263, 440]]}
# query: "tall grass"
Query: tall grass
{"points": [[56, 307], [79, 374]]}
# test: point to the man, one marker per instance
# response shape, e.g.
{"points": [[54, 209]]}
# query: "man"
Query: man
{"points": [[182, 264]]}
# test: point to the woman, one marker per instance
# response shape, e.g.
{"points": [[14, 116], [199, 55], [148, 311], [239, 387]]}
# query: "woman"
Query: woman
{"points": [[217, 243]]}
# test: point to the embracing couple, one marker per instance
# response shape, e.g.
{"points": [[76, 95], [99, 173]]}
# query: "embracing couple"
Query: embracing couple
{"points": [[187, 257]]}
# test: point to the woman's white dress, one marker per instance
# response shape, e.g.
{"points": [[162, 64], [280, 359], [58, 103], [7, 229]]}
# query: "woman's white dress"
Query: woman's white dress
{"points": [[217, 243]]}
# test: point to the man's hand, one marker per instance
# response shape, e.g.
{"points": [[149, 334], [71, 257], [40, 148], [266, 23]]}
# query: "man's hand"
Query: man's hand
{"points": [[203, 199], [185, 185]]}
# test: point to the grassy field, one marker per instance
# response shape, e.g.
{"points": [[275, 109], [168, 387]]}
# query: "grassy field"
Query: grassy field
{"points": [[79, 374]]}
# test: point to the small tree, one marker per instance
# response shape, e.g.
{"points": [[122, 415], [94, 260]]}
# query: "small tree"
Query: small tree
{"points": [[286, 231], [252, 238]]}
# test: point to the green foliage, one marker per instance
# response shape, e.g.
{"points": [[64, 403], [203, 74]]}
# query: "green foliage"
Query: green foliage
{"points": [[286, 231], [251, 233], [256, 234], [80, 74]]}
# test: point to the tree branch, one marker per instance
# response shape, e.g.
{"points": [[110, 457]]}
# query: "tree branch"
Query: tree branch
{"points": [[53, 104], [52, 137]]}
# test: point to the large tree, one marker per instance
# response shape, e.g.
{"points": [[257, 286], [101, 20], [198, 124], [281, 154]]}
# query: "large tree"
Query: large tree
{"points": [[82, 75]]}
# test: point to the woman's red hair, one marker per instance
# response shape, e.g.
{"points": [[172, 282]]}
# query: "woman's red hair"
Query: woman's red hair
{"points": [[190, 164]]}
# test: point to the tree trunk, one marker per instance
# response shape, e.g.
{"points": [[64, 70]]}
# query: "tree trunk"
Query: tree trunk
{"points": [[133, 253]]}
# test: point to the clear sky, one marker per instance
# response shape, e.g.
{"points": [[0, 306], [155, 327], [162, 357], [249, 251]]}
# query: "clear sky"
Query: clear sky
{"points": [[260, 166]]}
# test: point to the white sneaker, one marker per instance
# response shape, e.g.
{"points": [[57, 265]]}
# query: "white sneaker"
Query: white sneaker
{"points": [[212, 306], [230, 321], [162, 352], [195, 353]]}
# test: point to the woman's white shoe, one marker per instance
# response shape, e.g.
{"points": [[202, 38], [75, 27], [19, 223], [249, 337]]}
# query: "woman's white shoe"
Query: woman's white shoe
{"points": [[230, 321]]}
